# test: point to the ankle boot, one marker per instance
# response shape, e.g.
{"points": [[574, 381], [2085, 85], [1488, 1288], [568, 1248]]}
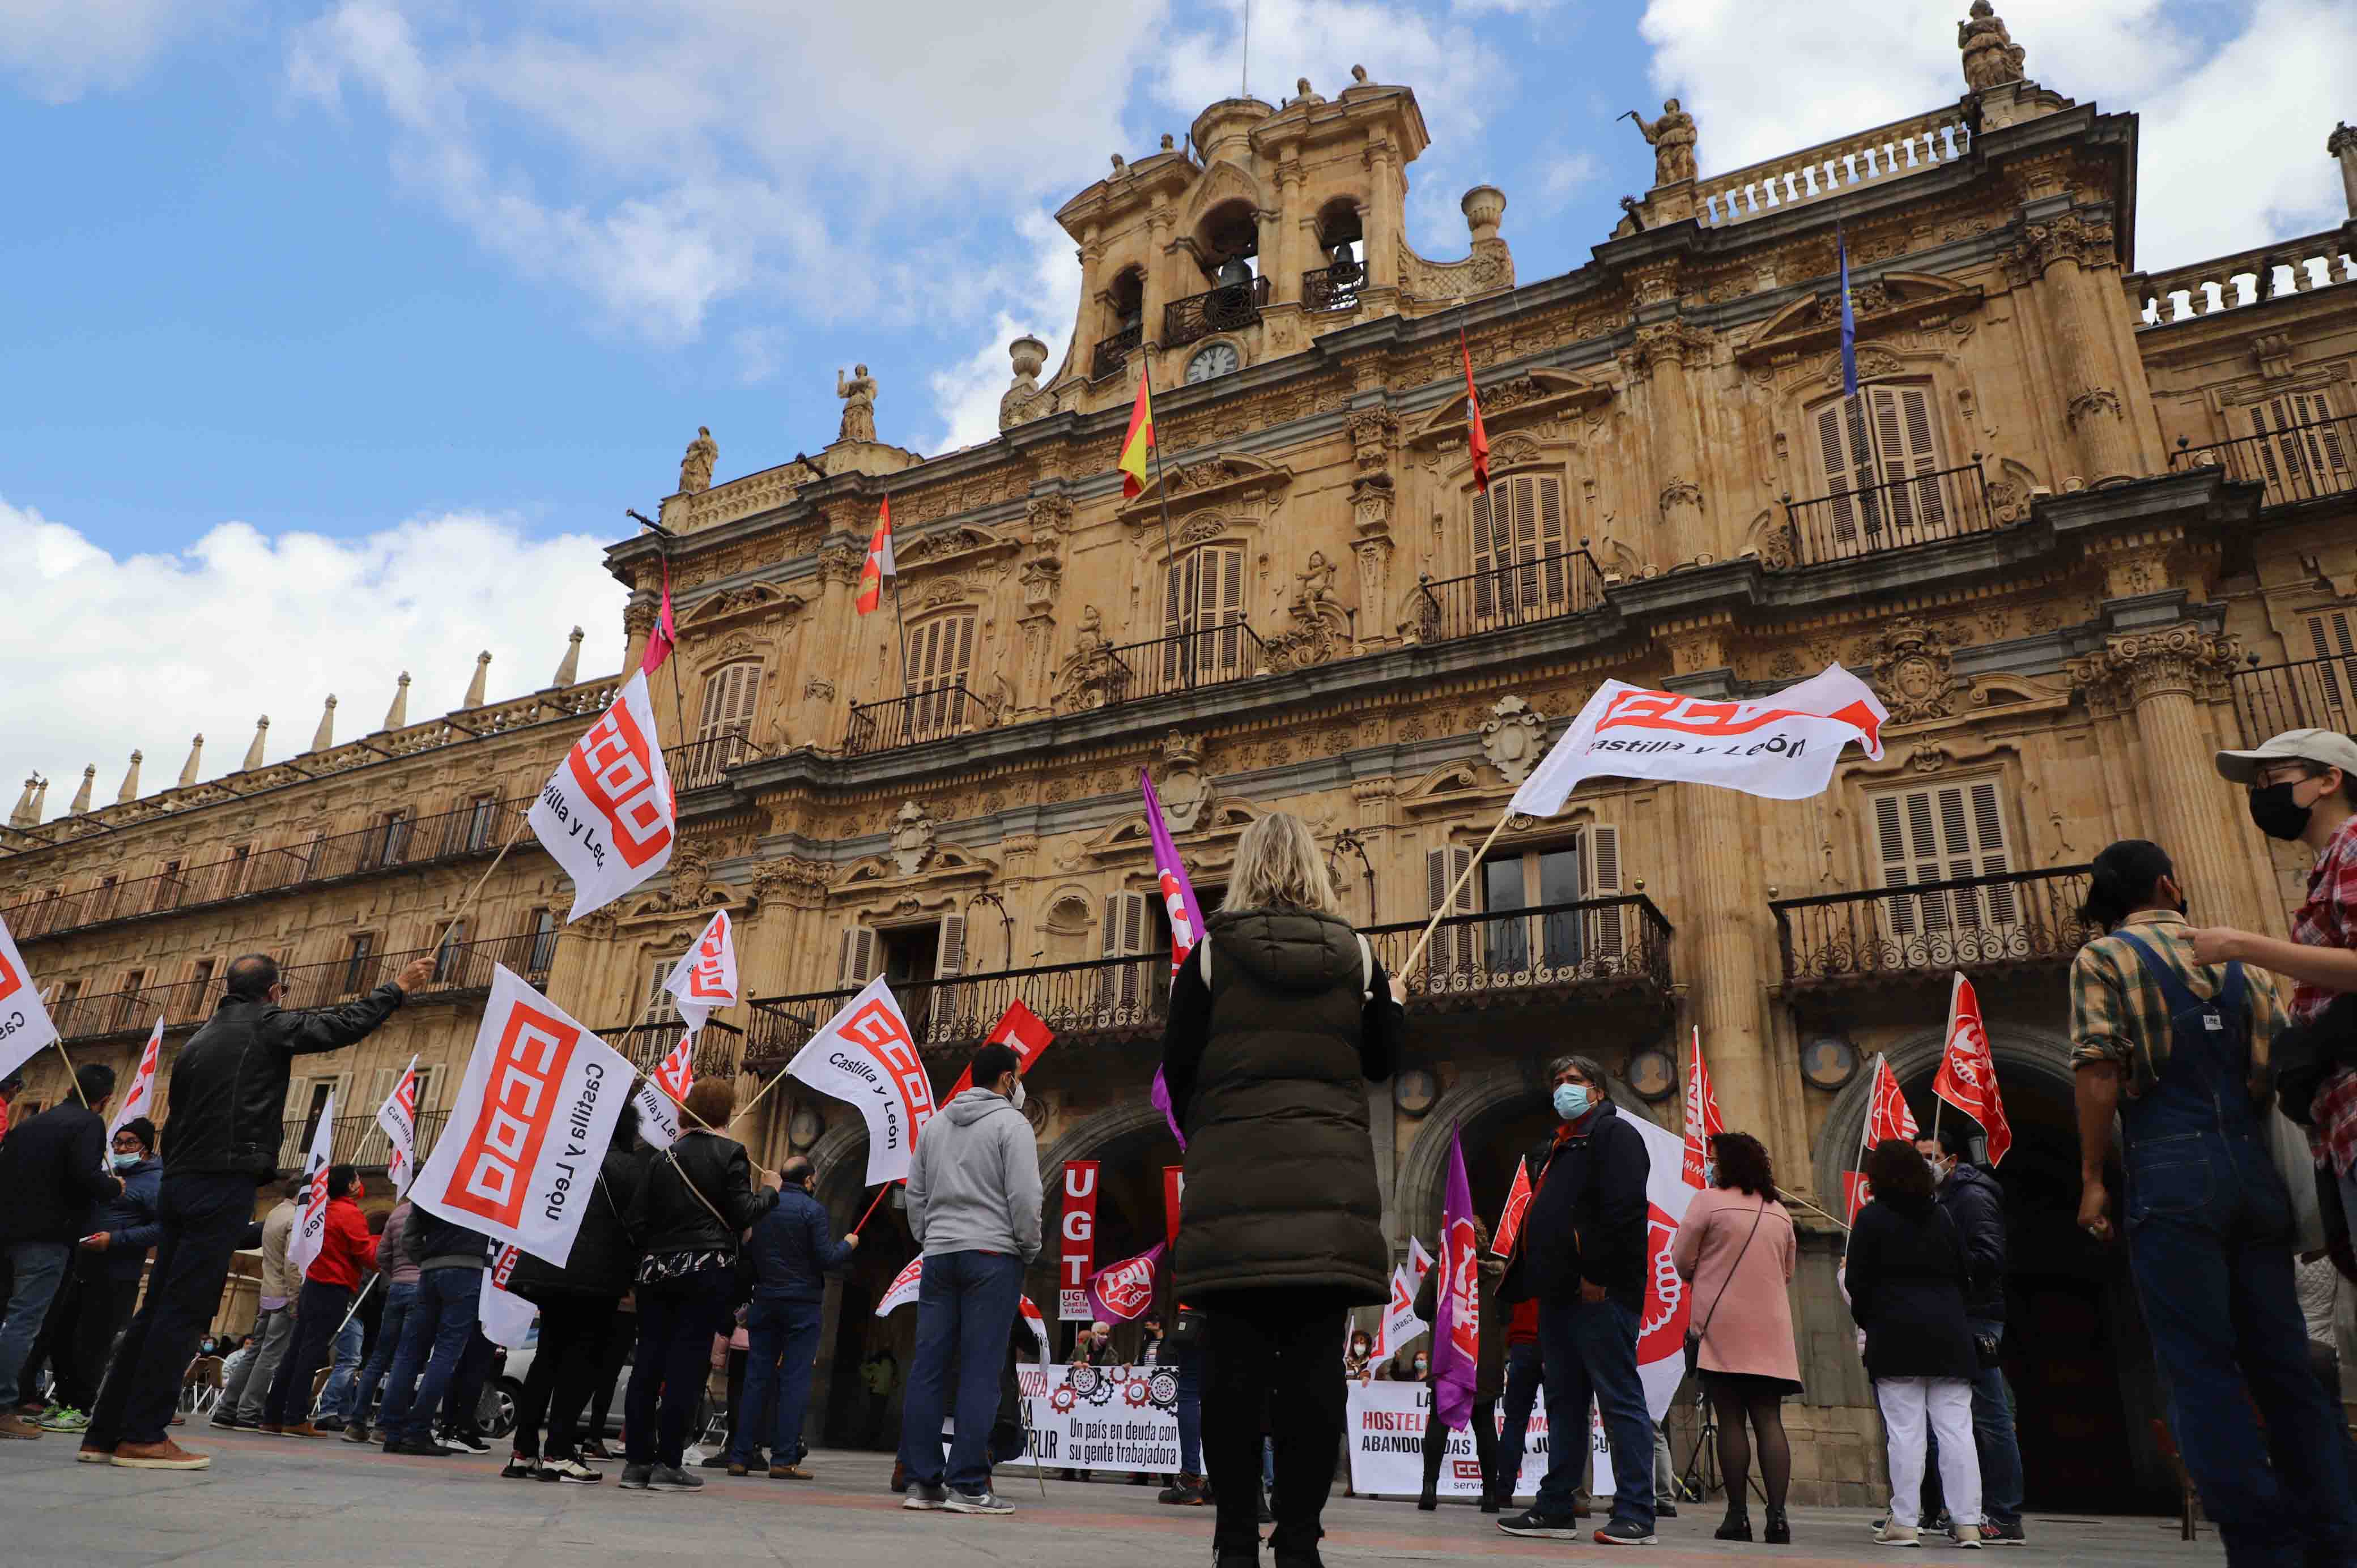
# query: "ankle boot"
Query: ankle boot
{"points": [[1780, 1529], [1738, 1523], [1427, 1503]]}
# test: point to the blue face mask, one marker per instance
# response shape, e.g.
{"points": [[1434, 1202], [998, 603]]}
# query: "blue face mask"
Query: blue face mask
{"points": [[1571, 1101]]}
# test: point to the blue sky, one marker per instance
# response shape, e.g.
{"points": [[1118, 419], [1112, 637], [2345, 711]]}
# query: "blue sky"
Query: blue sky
{"points": [[388, 307]]}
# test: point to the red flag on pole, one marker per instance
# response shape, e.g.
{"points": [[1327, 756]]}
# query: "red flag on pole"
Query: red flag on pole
{"points": [[1703, 1120], [1480, 438], [1510, 1223], [1887, 1117], [1018, 1026], [878, 564], [1967, 1076], [665, 636]]}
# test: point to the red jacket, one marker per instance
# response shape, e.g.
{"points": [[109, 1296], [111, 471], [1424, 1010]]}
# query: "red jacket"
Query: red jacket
{"points": [[347, 1251]]}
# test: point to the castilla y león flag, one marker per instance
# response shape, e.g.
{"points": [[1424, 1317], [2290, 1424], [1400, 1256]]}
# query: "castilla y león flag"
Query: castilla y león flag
{"points": [[705, 978], [398, 1117], [25, 1026], [1967, 1076], [607, 814], [865, 1056], [310, 1232], [518, 1160]]}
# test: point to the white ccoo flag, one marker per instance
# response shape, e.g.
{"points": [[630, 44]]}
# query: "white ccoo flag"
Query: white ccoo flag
{"points": [[398, 1117], [865, 1056], [139, 1100], [311, 1225], [705, 980], [25, 1026], [607, 814]]}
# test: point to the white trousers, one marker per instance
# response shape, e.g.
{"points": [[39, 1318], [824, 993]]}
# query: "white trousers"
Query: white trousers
{"points": [[1945, 1405]]}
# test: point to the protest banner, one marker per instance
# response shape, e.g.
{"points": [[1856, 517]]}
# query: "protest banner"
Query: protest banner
{"points": [[865, 1056], [504, 1318], [1509, 1221], [529, 1126], [1079, 1231], [1457, 1315], [311, 1224], [704, 979], [1109, 1418], [1662, 1321], [1967, 1075], [1019, 1030], [398, 1117], [1385, 1434], [606, 813], [25, 1026], [139, 1098]]}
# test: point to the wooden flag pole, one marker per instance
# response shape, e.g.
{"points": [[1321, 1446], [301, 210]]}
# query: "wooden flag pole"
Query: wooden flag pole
{"points": [[72, 1081], [524, 819], [1415, 955]]}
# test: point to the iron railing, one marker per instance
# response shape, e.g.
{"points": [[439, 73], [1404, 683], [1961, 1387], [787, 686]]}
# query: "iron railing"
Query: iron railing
{"points": [[462, 967], [2010, 919], [1113, 353], [403, 843], [1183, 662], [1566, 582], [2306, 694], [1333, 288], [1228, 309], [1595, 945], [357, 1140], [701, 764], [1896, 515], [719, 1047], [916, 718], [2300, 463]]}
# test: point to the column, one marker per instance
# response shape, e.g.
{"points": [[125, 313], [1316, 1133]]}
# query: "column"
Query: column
{"points": [[1379, 224], [2070, 256], [1665, 354]]}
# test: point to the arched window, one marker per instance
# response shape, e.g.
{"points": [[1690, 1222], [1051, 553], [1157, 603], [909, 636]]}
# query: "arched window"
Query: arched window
{"points": [[1520, 539], [728, 693], [1867, 446], [1126, 329], [1202, 609], [941, 657]]}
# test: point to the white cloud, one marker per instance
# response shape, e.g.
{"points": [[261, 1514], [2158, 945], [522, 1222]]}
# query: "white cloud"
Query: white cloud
{"points": [[2229, 133], [59, 51], [111, 655], [1563, 175], [1038, 300]]}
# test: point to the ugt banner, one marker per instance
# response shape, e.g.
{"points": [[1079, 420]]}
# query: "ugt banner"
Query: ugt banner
{"points": [[1123, 1292], [25, 1026], [705, 978], [1783, 746], [606, 813], [529, 1126], [865, 1056], [1078, 1229]]}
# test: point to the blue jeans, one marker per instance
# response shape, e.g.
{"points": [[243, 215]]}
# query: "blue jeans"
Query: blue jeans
{"points": [[965, 1308], [36, 1267], [784, 1339], [2000, 1453], [1521, 1392], [441, 1321], [398, 1301], [1589, 1350], [1188, 1359], [343, 1380]]}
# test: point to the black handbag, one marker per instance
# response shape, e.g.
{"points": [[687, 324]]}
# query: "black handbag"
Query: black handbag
{"points": [[1693, 1335], [2305, 1055], [1186, 1329]]}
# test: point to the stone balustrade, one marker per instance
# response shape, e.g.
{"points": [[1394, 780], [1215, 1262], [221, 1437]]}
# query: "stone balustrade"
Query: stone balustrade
{"points": [[740, 498], [1886, 152], [2248, 277]]}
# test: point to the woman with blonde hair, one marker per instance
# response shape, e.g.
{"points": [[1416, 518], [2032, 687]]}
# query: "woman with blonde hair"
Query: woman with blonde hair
{"points": [[1279, 1019]]}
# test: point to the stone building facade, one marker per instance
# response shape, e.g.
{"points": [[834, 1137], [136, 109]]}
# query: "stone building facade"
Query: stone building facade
{"points": [[2083, 525]]}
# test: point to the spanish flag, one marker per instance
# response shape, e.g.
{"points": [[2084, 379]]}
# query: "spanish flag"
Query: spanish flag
{"points": [[878, 564], [1138, 441], [1479, 439]]}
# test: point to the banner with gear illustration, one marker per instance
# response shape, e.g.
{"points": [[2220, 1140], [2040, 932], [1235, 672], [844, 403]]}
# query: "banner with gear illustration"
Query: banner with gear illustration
{"points": [[1103, 1418]]}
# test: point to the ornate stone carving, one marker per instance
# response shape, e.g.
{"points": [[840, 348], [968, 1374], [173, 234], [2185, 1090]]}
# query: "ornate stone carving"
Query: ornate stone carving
{"points": [[695, 468], [2073, 237], [1672, 139], [1314, 584], [819, 688], [1049, 517], [912, 839], [839, 563], [2093, 402], [1914, 671], [1025, 401], [2136, 669], [1991, 58], [1511, 738], [858, 395], [1688, 345], [1373, 431], [799, 883], [691, 867], [1185, 792]]}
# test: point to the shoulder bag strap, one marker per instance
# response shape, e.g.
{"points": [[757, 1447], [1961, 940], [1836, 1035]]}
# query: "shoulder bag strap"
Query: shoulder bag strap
{"points": [[1203, 945], [1366, 971], [1730, 1280], [697, 1193]]}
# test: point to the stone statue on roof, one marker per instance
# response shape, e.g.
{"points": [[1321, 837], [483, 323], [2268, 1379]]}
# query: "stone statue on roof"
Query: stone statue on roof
{"points": [[858, 395], [1672, 137], [695, 468], [1991, 57]]}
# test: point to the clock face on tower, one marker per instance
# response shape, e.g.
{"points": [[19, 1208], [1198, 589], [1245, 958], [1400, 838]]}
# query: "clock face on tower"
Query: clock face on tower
{"points": [[1212, 359]]}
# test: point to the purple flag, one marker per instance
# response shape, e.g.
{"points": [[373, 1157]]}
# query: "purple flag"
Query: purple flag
{"points": [[1186, 917], [1456, 1328], [1123, 1292]]}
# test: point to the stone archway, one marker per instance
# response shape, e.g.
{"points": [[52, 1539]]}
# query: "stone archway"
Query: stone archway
{"points": [[1133, 1139], [2045, 1058]]}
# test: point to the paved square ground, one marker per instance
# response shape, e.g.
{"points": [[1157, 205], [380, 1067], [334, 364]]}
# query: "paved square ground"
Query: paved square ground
{"points": [[269, 1502]]}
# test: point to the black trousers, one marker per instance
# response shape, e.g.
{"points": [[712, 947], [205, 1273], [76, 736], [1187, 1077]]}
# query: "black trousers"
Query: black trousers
{"points": [[621, 1338], [318, 1315], [677, 1319], [204, 1217], [101, 1307], [573, 1332], [462, 1402], [1269, 1359], [1485, 1447]]}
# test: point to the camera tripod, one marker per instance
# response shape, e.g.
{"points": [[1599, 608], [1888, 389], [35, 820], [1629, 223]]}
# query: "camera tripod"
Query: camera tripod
{"points": [[1701, 1477]]}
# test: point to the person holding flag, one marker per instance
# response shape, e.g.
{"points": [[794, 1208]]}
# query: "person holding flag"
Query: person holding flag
{"points": [[1489, 1384]]}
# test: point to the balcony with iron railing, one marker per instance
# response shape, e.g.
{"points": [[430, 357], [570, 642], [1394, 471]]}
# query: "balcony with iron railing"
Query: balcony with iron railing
{"points": [[1111, 354], [2311, 462], [2009, 920], [1593, 950], [462, 968], [1875, 520], [702, 763], [1333, 288], [1566, 582], [1182, 662], [916, 718], [720, 1048], [2302, 693], [407, 844], [357, 1140], [1229, 309]]}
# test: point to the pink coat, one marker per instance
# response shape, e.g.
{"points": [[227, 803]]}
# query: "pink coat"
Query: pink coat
{"points": [[1750, 1327]]}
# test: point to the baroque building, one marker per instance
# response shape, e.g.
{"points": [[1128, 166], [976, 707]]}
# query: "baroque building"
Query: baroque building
{"points": [[2083, 525]]}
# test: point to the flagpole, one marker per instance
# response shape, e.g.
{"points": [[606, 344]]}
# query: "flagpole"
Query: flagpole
{"points": [[1162, 494], [1416, 952], [873, 1206], [73, 1081], [524, 819]]}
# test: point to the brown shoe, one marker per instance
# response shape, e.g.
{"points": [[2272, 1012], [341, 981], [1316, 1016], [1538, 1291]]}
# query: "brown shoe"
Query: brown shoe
{"points": [[267, 1430], [12, 1424], [165, 1455], [735, 1468], [304, 1430], [92, 1453], [789, 1473]]}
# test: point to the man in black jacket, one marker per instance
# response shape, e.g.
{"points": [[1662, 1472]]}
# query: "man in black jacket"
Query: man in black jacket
{"points": [[1582, 1254], [1975, 1205], [53, 1174], [227, 1101]]}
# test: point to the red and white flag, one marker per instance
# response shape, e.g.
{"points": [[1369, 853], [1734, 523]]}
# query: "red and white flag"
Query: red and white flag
{"points": [[607, 815], [658, 1117], [504, 1318], [1887, 1117], [140, 1097], [1419, 1262], [704, 981], [529, 1126], [675, 1074], [865, 1056], [25, 1026], [878, 564], [1017, 1027], [1400, 1323], [1518, 1203], [1077, 1254], [903, 1288], [311, 1224], [1967, 1076], [1035, 1323], [665, 636], [1123, 1292], [398, 1117], [1703, 1120]]}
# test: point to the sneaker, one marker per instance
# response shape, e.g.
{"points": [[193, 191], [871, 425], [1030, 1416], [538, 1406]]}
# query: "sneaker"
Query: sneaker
{"points": [[165, 1455], [63, 1418], [1535, 1525], [980, 1500], [519, 1467], [925, 1498], [464, 1442], [229, 1421], [1889, 1534], [416, 1448], [1665, 1511], [673, 1478], [15, 1423], [1994, 1532], [1625, 1532], [329, 1422], [637, 1477], [572, 1471], [1967, 1536], [1184, 1491], [356, 1433], [91, 1453], [596, 1449]]}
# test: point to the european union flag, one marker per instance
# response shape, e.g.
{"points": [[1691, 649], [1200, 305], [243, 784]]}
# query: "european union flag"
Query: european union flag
{"points": [[1848, 321]]}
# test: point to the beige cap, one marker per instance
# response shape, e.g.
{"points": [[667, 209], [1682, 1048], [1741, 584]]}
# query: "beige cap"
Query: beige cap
{"points": [[2324, 747]]}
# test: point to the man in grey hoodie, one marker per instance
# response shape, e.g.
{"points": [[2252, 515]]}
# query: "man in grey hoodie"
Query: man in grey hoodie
{"points": [[973, 1207]]}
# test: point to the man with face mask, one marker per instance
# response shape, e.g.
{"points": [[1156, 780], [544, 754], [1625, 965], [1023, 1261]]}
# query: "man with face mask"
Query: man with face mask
{"points": [[1582, 1254], [103, 1285], [1972, 1201]]}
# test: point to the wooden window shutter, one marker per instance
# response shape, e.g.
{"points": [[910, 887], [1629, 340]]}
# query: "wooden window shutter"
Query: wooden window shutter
{"points": [[1603, 882], [2330, 633], [1455, 947], [728, 693], [949, 952], [1837, 438], [1122, 988], [1485, 553], [855, 957], [1891, 848], [2303, 455], [1228, 608], [1553, 542]]}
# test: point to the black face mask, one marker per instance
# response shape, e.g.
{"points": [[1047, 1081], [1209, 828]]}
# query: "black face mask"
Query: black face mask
{"points": [[2276, 814]]}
